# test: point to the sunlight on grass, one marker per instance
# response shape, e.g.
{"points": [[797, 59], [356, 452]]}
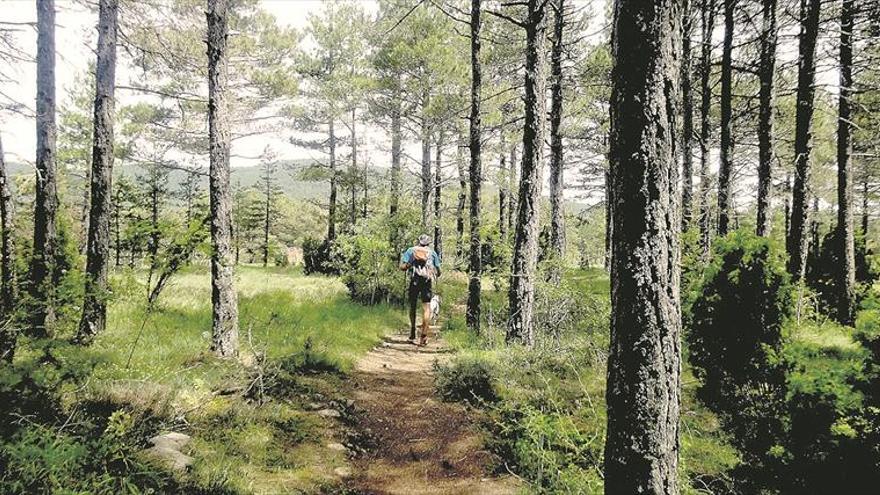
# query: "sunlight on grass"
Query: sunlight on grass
{"points": [[283, 314]]}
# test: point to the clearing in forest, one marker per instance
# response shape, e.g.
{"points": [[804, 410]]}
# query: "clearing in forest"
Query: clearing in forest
{"points": [[419, 443]]}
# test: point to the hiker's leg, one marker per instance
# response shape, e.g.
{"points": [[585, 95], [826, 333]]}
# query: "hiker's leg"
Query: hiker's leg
{"points": [[413, 300], [426, 293]]}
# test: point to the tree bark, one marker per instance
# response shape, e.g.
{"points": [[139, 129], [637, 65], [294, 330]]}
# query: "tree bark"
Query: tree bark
{"points": [[269, 191], [224, 300], [438, 188], [609, 227], [797, 242], [865, 207], [396, 132], [845, 232], [707, 21], [46, 202], [8, 283], [644, 383], [503, 189], [512, 180], [334, 181], [426, 166], [459, 209], [557, 179], [354, 171], [687, 128], [94, 315], [787, 205], [765, 117], [726, 147], [475, 175], [521, 294]]}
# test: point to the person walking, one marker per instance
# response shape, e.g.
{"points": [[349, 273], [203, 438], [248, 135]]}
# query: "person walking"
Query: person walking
{"points": [[423, 266]]}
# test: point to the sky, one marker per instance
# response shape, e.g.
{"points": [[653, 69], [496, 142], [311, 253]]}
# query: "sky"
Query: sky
{"points": [[75, 40]]}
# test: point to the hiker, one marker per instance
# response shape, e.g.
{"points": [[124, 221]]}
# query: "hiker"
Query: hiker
{"points": [[423, 265]]}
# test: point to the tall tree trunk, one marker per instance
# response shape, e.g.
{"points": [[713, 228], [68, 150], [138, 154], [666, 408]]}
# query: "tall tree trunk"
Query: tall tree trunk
{"points": [[334, 182], [475, 175], [426, 167], [459, 209], [396, 132], [865, 207], [512, 181], [83, 238], [8, 288], [798, 240], [46, 202], [557, 180], [438, 188], [644, 364], [521, 295], [503, 188], [117, 224], [394, 200], [765, 117], [8, 282], [845, 233], [609, 227], [707, 24], [365, 204], [354, 171], [94, 315], [157, 180], [787, 205], [225, 304], [726, 149], [267, 217], [687, 127]]}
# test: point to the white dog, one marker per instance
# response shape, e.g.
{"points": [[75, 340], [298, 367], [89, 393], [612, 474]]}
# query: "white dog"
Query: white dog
{"points": [[435, 308]]}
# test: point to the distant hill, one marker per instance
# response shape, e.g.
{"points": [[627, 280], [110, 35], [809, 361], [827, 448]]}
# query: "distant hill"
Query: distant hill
{"points": [[288, 178]]}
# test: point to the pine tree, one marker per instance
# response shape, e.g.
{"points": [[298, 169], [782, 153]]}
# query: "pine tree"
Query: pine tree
{"points": [[797, 241], [765, 116], [224, 340], [644, 383], [46, 203], [521, 295], [94, 314], [475, 177]]}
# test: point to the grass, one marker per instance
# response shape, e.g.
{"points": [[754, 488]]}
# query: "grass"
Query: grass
{"points": [[549, 425], [239, 444]]}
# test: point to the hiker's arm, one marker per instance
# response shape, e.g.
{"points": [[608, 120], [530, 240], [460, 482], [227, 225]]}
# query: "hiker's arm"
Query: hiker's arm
{"points": [[405, 260]]}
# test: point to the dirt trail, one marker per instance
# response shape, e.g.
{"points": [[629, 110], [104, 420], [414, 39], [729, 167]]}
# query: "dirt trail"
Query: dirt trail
{"points": [[422, 445]]}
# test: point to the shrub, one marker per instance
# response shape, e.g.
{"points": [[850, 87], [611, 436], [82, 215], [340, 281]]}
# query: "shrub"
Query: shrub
{"points": [[368, 266], [735, 342], [824, 270], [316, 256], [466, 379]]}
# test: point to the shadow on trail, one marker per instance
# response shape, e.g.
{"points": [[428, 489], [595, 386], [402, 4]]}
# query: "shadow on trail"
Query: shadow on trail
{"points": [[421, 444]]}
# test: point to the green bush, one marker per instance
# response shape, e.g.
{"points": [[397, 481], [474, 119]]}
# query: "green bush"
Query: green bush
{"points": [[316, 256], [824, 271], [735, 341], [466, 379], [368, 266]]}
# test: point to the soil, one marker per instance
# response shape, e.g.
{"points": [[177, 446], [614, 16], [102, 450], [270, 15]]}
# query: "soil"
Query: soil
{"points": [[420, 445]]}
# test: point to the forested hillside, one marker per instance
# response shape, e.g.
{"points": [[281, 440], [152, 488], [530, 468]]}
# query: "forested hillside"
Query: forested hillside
{"points": [[439, 246]]}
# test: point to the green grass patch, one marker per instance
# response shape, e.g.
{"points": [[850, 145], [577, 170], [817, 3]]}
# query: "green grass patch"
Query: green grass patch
{"points": [[302, 332]]}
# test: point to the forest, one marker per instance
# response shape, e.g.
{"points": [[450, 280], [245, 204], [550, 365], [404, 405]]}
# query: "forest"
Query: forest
{"points": [[654, 224]]}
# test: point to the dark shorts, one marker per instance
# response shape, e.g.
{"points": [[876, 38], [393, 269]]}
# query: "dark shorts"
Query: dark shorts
{"points": [[420, 288]]}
